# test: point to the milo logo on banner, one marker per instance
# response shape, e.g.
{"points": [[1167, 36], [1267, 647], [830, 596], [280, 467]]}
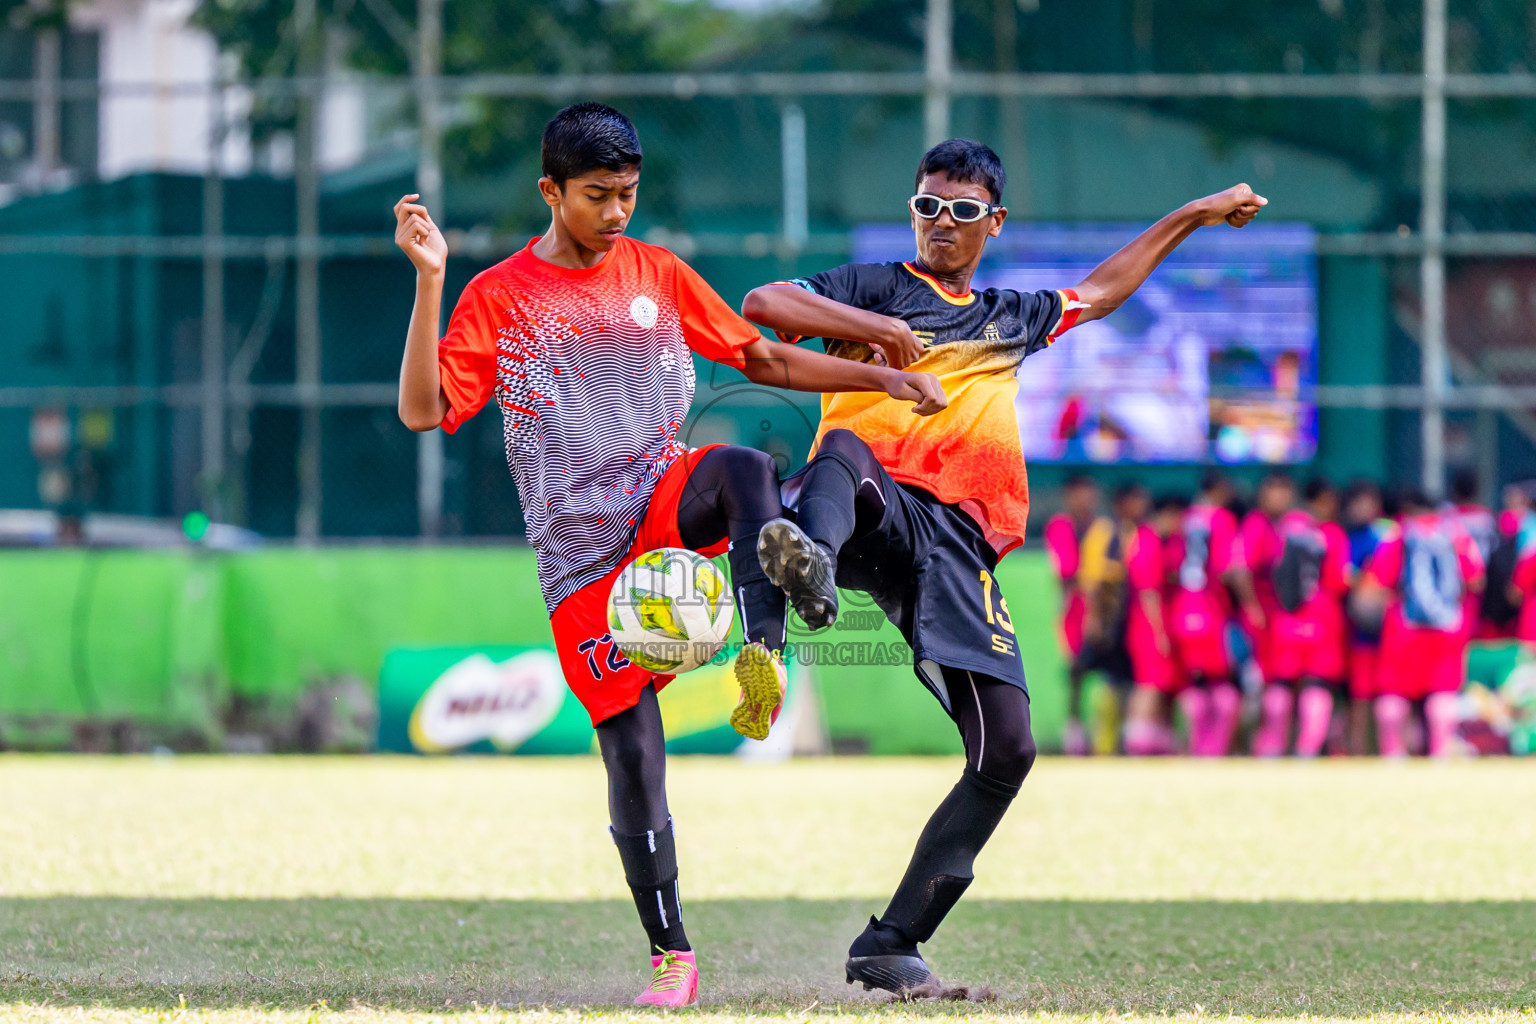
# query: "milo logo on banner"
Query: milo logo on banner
{"points": [[481, 700], [513, 700]]}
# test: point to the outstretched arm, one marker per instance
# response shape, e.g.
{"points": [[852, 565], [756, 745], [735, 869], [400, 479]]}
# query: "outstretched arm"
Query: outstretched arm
{"points": [[790, 309], [796, 369], [1114, 280], [422, 404]]}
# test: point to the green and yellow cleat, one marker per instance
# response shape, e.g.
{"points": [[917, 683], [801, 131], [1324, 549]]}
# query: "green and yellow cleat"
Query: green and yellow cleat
{"points": [[763, 680]]}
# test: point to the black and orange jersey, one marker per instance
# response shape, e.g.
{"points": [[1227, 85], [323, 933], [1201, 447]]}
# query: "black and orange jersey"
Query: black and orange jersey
{"points": [[969, 454]]}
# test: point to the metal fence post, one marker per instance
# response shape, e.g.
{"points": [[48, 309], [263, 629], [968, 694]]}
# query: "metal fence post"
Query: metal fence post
{"points": [[306, 181], [1432, 263], [792, 150], [938, 59], [429, 183], [212, 483], [1010, 109]]}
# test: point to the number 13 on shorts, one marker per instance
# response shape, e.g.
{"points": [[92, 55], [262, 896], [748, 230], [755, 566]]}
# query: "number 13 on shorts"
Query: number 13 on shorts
{"points": [[1001, 644]]}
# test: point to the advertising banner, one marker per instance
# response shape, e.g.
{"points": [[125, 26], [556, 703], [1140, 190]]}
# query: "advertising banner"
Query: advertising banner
{"points": [[513, 699]]}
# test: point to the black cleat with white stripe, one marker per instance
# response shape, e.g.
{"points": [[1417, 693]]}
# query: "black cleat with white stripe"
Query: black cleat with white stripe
{"points": [[879, 958], [892, 972], [802, 569]]}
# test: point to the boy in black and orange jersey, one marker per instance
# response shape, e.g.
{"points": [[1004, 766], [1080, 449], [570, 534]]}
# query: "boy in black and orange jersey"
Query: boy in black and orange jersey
{"points": [[918, 513]]}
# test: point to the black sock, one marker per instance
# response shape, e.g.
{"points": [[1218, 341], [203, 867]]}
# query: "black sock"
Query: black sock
{"points": [[650, 868], [940, 870], [827, 512], [763, 607]]}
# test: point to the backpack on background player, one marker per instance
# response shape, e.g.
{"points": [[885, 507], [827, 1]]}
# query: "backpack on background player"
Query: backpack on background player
{"points": [[1298, 572], [1432, 580]]}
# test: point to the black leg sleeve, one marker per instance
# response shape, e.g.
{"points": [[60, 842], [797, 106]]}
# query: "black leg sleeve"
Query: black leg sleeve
{"points": [[650, 868], [993, 717], [840, 495], [634, 752], [941, 866]]}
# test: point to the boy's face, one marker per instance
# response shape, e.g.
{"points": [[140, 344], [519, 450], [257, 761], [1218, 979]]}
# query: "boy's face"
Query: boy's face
{"points": [[1168, 520], [1364, 507], [1276, 497], [945, 245], [594, 208], [1326, 505], [1081, 501]]}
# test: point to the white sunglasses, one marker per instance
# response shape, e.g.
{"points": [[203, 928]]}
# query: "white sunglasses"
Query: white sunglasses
{"points": [[965, 211]]}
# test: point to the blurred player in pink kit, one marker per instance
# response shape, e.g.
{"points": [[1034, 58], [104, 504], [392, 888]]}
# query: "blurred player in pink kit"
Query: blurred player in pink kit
{"points": [[1261, 548], [1307, 629], [1482, 526], [1517, 533], [1198, 615], [1422, 572], [1154, 570], [1153, 669], [1364, 527], [1064, 535]]}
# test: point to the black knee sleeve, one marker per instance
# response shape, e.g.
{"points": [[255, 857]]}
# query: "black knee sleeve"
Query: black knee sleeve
{"points": [[941, 866], [1009, 765], [650, 868], [826, 512]]}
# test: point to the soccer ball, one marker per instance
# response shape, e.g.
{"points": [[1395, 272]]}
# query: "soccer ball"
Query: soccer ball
{"points": [[670, 611]]}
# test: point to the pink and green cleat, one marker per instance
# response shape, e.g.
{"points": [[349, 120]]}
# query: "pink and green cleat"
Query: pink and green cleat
{"points": [[674, 981]]}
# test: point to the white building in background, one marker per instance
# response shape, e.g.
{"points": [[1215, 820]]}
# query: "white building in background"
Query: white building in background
{"points": [[159, 110]]}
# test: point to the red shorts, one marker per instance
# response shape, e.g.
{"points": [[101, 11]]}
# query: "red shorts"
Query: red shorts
{"points": [[1418, 662], [598, 673], [1151, 667], [1197, 626], [1364, 660], [1309, 645]]}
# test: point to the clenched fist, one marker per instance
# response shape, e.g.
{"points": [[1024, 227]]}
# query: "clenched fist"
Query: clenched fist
{"points": [[1237, 206]]}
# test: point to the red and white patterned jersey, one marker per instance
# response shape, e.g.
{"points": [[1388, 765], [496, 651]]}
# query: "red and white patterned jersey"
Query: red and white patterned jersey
{"points": [[592, 371]]}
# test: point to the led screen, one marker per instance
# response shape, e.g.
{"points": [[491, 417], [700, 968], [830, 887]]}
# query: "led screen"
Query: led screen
{"points": [[1214, 359]]}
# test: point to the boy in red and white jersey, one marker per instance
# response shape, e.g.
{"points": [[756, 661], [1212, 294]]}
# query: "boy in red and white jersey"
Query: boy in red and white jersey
{"points": [[584, 340]]}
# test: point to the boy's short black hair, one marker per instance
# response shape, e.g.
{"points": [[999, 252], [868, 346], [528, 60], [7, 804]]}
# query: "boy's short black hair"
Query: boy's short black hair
{"points": [[585, 137], [965, 160], [1316, 488], [1211, 479], [1078, 481], [1130, 489], [1170, 503], [1278, 478]]}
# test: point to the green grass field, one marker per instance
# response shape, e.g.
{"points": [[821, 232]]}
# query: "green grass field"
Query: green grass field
{"points": [[477, 890]]}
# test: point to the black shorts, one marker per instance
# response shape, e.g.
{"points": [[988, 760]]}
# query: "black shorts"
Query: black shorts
{"points": [[930, 569]]}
